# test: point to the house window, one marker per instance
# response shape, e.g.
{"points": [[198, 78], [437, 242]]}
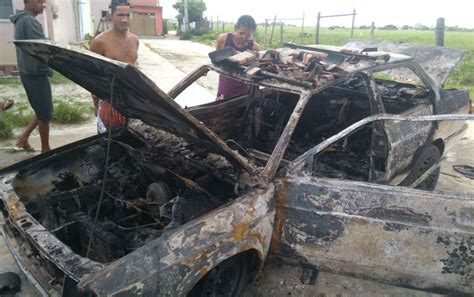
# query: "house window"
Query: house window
{"points": [[6, 9]]}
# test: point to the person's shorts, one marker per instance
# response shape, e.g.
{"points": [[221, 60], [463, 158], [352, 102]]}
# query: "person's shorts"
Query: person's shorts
{"points": [[38, 91]]}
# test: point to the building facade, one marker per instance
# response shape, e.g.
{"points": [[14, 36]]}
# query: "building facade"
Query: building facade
{"points": [[69, 21], [146, 19]]}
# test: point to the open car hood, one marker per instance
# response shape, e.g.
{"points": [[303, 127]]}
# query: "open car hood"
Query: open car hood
{"points": [[438, 61], [135, 95]]}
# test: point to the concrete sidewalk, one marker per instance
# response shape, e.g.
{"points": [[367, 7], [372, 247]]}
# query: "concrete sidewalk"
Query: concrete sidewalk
{"points": [[166, 73]]}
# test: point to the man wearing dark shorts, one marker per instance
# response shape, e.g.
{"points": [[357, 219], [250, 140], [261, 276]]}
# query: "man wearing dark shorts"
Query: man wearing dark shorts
{"points": [[34, 74]]}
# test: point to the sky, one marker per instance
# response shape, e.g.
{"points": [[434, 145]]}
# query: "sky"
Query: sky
{"points": [[397, 12]]}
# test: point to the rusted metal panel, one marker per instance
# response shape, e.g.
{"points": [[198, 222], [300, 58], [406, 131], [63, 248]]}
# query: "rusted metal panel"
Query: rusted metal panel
{"points": [[299, 162], [134, 94], [280, 147], [395, 235], [172, 264], [49, 245], [438, 61]]}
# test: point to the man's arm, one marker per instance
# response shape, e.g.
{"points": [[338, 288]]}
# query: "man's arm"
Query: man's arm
{"points": [[220, 43], [97, 46], [256, 46]]}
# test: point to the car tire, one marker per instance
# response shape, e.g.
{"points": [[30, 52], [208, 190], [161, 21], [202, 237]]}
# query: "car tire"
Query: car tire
{"points": [[427, 158], [227, 279], [10, 284]]}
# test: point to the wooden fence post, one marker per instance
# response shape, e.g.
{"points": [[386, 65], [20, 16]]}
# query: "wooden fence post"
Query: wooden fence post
{"points": [[281, 33], [273, 29], [440, 32], [353, 22], [265, 37], [317, 28], [302, 31], [372, 30]]}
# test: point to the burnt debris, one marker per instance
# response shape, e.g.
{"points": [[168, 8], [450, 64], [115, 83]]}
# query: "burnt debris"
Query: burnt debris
{"points": [[150, 189], [304, 66]]}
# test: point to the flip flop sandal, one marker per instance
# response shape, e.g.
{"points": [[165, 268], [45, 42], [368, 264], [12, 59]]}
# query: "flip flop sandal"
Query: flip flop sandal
{"points": [[28, 149], [7, 104]]}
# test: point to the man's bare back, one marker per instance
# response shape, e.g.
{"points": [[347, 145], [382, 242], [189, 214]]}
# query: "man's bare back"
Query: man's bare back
{"points": [[120, 46]]}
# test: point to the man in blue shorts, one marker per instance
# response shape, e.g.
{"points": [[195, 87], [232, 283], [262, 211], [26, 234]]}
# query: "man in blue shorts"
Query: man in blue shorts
{"points": [[34, 74]]}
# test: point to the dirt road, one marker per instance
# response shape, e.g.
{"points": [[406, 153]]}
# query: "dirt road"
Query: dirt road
{"points": [[167, 62]]}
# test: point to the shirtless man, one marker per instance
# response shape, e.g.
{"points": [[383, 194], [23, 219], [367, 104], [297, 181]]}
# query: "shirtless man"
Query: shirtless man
{"points": [[118, 44]]}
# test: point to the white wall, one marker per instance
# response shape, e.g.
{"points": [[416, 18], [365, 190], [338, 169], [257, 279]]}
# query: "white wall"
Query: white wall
{"points": [[64, 29], [7, 49], [64, 25], [96, 8]]}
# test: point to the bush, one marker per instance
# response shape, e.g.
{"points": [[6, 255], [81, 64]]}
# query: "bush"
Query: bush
{"points": [[6, 130], [165, 27], [66, 112], [388, 27]]}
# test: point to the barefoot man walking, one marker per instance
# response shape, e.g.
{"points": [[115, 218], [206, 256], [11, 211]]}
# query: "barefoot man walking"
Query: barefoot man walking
{"points": [[118, 44], [34, 74]]}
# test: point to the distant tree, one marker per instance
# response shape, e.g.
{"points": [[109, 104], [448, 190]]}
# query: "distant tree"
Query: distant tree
{"points": [[406, 27], [364, 27], [388, 27], [419, 26], [195, 10]]}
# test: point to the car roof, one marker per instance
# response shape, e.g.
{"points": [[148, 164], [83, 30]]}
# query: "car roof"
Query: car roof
{"points": [[297, 68]]}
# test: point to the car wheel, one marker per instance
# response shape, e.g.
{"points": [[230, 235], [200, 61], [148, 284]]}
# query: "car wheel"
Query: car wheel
{"points": [[10, 283], [427, 158], [226, 279]]}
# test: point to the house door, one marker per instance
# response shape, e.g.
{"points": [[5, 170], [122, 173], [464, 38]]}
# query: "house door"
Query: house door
{"points": [[143, 24]]}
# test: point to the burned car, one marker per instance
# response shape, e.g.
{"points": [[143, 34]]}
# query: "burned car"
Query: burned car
{"points": [[316, 165]]}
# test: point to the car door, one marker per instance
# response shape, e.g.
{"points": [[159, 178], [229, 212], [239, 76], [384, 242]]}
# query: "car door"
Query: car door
{"points": [[402, 91], [396, 235]]}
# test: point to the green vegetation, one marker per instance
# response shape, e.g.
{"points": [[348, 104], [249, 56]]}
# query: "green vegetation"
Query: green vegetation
{"points": [[69, 112], [9, 80], [462, 77], [195, 11], [66, 111], [6, 131], [56, 79]]}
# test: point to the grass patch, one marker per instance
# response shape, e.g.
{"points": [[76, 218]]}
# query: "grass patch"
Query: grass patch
{"points": [[6, 130], [10, 80], [56, 79], [66, 111], [19, 115]]}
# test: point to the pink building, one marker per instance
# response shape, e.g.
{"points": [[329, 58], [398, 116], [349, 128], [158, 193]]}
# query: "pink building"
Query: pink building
{"points": [[147, 17]]}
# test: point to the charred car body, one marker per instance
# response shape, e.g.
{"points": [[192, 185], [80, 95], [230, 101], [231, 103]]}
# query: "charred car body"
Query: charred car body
{"points": [[308, 167]]}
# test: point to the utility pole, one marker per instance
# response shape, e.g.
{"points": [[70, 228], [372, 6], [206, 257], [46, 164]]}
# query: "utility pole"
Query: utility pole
{"points": [[186, 17]]}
